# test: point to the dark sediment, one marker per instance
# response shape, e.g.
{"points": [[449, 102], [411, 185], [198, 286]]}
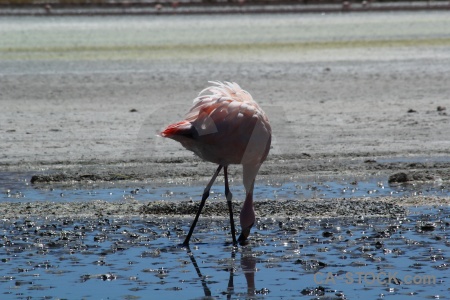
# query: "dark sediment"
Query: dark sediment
{"points": [[268, 208]]}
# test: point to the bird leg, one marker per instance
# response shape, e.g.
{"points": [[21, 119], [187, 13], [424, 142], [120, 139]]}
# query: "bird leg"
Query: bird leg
{"points": [[229, 196], [202, 203]]}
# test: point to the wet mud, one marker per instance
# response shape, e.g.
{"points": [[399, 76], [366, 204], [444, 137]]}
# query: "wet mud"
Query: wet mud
{"points": [[130, 258], [354, 99], [418, 169]]}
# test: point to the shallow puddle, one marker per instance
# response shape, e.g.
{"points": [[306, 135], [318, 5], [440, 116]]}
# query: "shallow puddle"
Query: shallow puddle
{"points": [[16, 187], [294, 258], [327, 258]]}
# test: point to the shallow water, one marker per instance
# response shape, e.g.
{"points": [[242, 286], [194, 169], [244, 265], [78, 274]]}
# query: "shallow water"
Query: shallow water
{"points": [[16, 187], [297, 258]]}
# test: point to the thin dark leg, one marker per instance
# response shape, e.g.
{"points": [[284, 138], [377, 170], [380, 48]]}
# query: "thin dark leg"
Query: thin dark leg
{"points": [[229, 196], [202, 203]]}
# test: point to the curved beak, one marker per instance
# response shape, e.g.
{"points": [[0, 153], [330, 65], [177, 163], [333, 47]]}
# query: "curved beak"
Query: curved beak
{"points": [[244, 234]]}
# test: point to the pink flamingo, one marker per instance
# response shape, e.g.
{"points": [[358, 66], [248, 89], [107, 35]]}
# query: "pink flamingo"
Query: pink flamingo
{"points": [[226, 127]]}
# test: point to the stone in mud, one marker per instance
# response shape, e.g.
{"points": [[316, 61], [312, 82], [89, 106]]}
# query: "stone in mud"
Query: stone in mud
{"points": [[398, 178], [327, 234], [317, 291], [48, 178], [403, 177], [391, 280], [63, 177], [428, 226], [263, 291], [311, 264]]}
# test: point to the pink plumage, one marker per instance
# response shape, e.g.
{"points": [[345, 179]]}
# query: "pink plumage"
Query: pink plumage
{"points": [[227, 127]]}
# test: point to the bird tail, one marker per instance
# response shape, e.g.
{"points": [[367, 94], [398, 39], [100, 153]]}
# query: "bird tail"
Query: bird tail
{"points": [[180, 128]]}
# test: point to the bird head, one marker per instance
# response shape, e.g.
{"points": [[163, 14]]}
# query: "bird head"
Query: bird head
{"points": [[245, 232]]}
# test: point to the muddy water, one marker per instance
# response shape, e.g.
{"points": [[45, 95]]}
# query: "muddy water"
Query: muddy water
{"points": [[16, 187], [110, 257], [296, 258], [132, 258]]}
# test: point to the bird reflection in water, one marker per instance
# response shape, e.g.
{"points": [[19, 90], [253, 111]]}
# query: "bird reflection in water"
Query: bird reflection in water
{"points": [[247, 264]]}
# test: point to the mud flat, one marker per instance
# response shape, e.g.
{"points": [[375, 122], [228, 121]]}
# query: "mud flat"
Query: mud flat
{"points": [[347, 94], [352, 98]]}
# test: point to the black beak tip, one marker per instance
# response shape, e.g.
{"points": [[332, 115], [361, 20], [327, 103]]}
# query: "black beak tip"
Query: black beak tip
{"points": [[242, 240]]}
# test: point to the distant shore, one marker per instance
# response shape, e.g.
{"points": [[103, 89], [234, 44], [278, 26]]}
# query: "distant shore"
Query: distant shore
{"points": [[348, 96], [193, 8]]}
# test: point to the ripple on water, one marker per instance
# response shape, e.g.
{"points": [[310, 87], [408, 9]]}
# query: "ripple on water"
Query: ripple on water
{"points": [[16, 187], [130, 258]]}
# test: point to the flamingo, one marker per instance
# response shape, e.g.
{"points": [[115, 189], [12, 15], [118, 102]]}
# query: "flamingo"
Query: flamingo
{"points": [[226, 126]]}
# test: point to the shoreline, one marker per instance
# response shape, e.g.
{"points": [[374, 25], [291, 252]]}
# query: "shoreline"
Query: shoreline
{"points": [[88, 110], [363, 207], [168, 9]]}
